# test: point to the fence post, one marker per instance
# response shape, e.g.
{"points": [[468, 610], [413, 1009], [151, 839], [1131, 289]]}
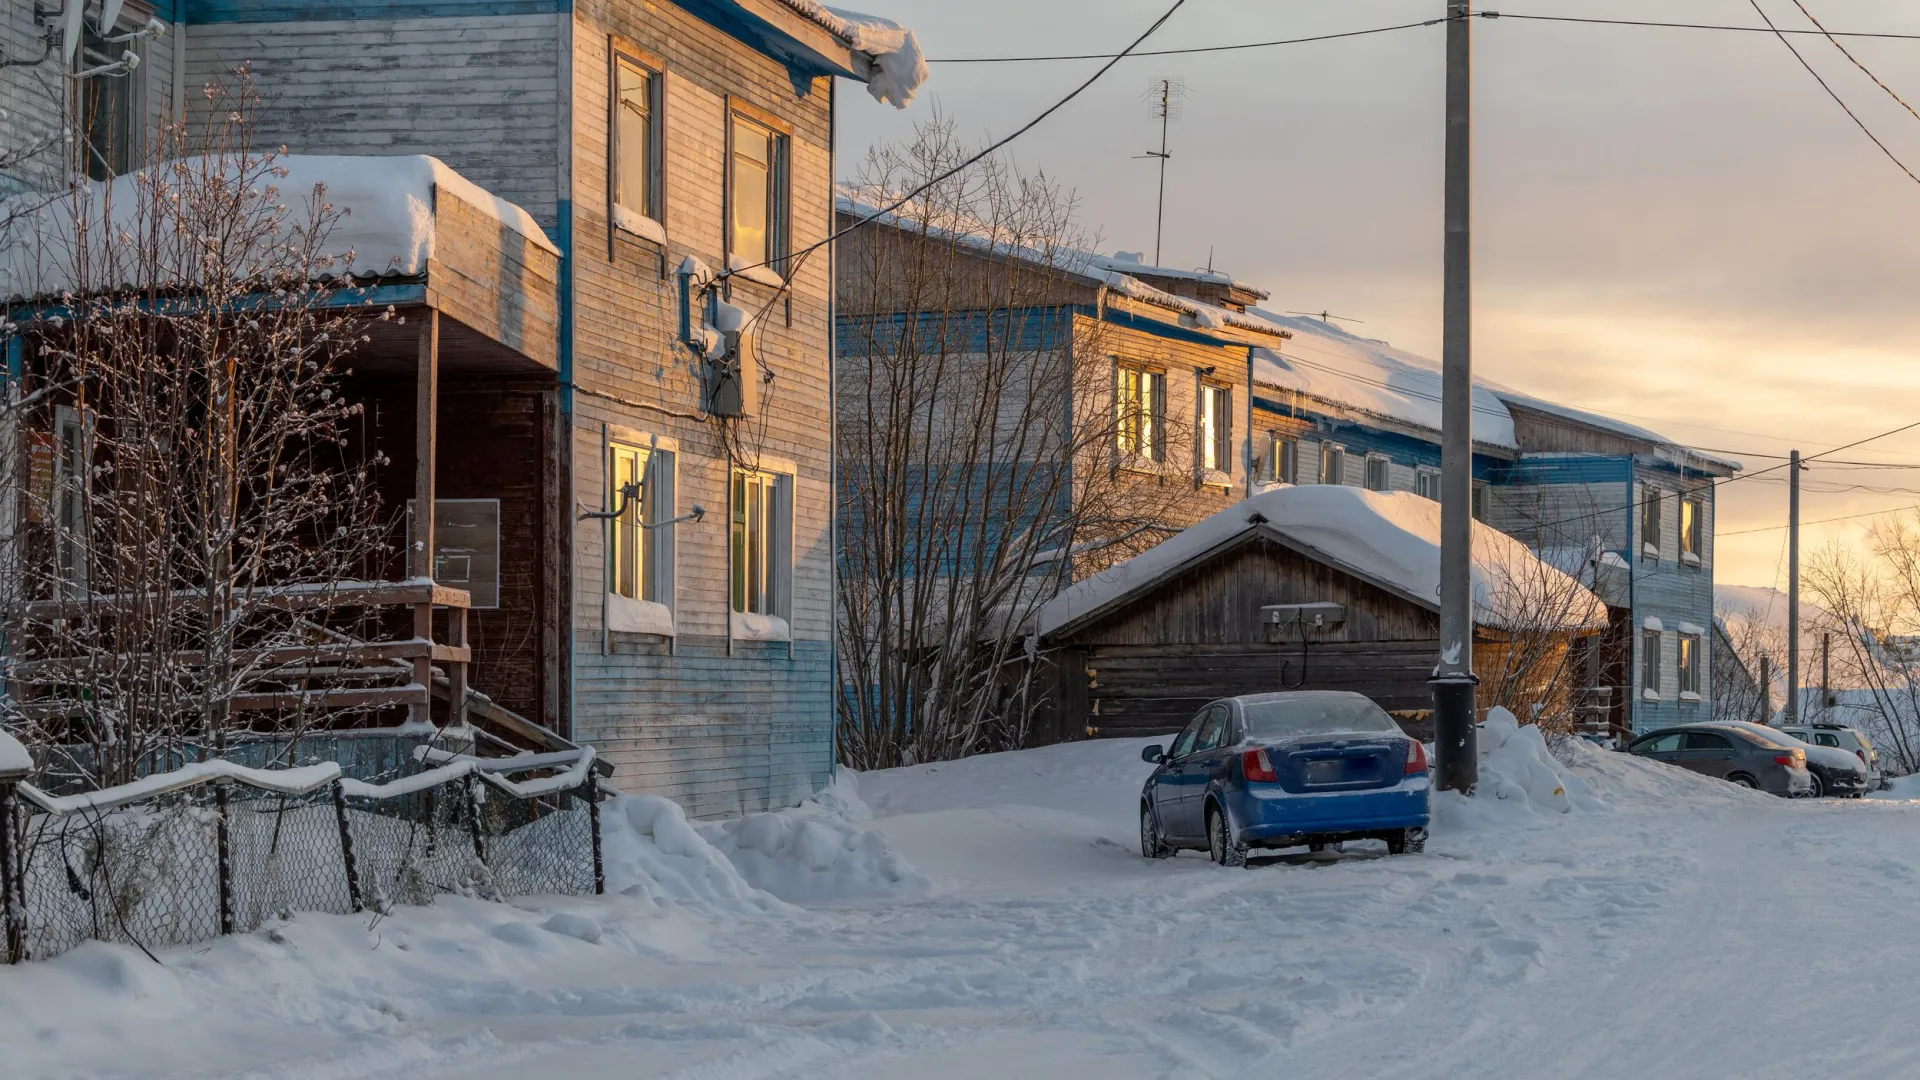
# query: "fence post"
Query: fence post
{"points": [[593, 816], [13, 901], [346, 846], [223, 842], [473, 819]]}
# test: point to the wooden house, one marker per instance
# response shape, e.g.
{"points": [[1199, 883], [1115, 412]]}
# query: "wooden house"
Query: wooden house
{"points": [[1319, 587], [661, 490]]}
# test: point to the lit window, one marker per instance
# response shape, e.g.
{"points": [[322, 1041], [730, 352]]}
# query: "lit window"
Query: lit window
{"points": [[1689, 664], [1378, 476], [1650, 661], [1692, 511], [630, 570], [1283, 459], [636, 172], [1140, 405], [1650, 519], [756, 194], [760, 530], [1215, 427]]}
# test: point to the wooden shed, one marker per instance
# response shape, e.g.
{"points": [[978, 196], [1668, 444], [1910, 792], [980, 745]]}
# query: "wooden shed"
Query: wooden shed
{"points": [[1312, 588]]}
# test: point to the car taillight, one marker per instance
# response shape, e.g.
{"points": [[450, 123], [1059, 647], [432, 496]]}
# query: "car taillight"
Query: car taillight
{"points": [[1861, 755], [1258, 766], [1416, 757], [1784, 759]]}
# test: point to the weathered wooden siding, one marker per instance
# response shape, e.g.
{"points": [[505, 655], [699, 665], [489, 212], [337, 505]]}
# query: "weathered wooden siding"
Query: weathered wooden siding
{"points": [[1673, 591], [722, 733], [479, 92]]}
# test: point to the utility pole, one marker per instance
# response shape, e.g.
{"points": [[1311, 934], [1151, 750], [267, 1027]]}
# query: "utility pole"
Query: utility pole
{"points": [[1453, 682], [1826, 688], [1791, 714], [1165, 95], [1766, 688]]}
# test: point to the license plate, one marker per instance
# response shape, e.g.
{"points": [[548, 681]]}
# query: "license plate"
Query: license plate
{"points": [[1326, 772]]}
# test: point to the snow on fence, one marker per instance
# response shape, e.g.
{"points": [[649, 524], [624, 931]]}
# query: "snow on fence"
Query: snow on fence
{"points": [[218, 848]]}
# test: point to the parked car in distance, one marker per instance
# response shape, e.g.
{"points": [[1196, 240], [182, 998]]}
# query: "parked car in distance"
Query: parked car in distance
{"points": [[1845, 738], [1281, 770], [1738, 754], [1835, 772]]}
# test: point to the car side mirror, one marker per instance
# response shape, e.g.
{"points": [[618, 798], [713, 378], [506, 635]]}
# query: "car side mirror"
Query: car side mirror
{"points": [[1155, 753]]}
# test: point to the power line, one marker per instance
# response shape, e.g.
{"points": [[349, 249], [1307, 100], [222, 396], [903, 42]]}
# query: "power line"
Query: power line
{"points": [[1819, 521], [1844, 107], [989, 149], [1184, 52], [1238, 46], [1856, 61]]}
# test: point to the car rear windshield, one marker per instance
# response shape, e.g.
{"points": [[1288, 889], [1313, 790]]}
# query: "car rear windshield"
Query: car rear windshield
{"points": [[1315, 716]]}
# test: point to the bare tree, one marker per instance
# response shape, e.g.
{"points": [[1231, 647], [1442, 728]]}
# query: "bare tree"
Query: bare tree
{"points": [[1742, 665], [1544, 617], [192, 501], [979, 437], [1870, 598]]}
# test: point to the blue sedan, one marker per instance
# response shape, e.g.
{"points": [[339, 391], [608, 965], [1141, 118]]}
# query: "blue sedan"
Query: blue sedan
{"points": [[1281, 770]]}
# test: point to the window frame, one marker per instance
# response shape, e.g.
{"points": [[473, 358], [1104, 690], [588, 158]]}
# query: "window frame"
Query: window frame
{"points": [[629, 542], [1140, 421], [779, 220], [1385, 465], [770, 554], [1426, 482], [123, 151], [1650, 524], [1283, 458], [1330, 453], [1213, 427], [1652, 643], [1689, 665], [623, 53], [1693, 512], [1481, 495]]}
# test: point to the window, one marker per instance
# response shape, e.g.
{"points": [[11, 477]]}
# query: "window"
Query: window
{"points": [[466, 547], [70, 462], [1690, 664], [1140, 400], [1821, 738], [756, 195], [1215, 428], [1377, 473], [630, 572], [1183, 745], [1692, 510], [636, 144], [1283, 459], [1650, 661], [1212, 730], [107, 104], [1482, 500], [1707, 740], [761, 539], [1427, 483], [1661, 744], [1333, 464], [1650, 519]]}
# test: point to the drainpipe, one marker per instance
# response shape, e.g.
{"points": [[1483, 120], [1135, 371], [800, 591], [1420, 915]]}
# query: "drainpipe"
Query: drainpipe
{"points": [[833, 436], [1248, 462], [563, 219]]}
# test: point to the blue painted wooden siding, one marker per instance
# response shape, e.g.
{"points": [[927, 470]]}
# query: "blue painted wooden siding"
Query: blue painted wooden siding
{"points": [[1673, 592], [207, 12]]}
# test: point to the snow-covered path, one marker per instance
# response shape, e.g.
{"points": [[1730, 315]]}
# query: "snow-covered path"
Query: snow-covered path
{"points": [[1662, 928]]}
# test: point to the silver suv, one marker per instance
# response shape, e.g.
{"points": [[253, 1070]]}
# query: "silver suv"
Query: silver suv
{"points": [[1846, 738]]}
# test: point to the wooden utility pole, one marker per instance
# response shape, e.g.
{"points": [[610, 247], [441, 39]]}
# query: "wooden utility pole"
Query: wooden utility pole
{"points": [[1453, 679], [1791, 714], [1766, 689]]}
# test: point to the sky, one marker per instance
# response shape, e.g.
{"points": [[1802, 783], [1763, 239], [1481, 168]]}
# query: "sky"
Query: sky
{"points": [[1675, 227]]}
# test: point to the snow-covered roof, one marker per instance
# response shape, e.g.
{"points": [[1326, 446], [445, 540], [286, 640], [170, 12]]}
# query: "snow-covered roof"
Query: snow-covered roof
{"points": [[1130, 262], [388, 224], [1680, 455], [1088, 265], [1371, 376], [1391, 538], [886, 55]]}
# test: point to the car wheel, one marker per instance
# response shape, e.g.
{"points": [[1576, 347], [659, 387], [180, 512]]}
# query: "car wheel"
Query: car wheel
{"points": [[1220, 847], [1819, 789], [1151, 845], [1742, 780], [1407, 842]]}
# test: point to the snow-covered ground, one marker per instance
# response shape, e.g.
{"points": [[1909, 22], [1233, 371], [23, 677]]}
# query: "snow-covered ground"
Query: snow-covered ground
{"points": [[992, 918]]}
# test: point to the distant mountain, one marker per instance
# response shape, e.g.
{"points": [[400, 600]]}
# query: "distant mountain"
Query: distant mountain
{"points": [[1737, 605]]}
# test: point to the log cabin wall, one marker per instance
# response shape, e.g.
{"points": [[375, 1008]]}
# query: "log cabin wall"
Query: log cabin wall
{"points": [[1145, 668]]}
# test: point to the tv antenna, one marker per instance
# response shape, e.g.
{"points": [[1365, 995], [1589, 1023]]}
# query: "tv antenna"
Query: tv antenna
{"points": [[1166, 97], [1326, 316]]}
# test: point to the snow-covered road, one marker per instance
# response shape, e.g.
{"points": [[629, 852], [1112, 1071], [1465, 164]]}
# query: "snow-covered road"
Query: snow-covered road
{"points": [[1665, 926]]}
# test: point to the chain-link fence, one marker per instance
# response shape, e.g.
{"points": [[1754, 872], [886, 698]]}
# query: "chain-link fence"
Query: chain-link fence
{"points": [[218, 848]]}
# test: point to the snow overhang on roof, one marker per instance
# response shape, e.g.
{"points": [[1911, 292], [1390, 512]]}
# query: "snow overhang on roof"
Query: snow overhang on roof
{"points": [[1390, 538], [388, 224], [813, 39]]}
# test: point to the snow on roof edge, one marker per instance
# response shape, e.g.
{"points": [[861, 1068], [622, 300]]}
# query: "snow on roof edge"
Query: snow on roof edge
{"points": [[886, 55], [1388, 537]]}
